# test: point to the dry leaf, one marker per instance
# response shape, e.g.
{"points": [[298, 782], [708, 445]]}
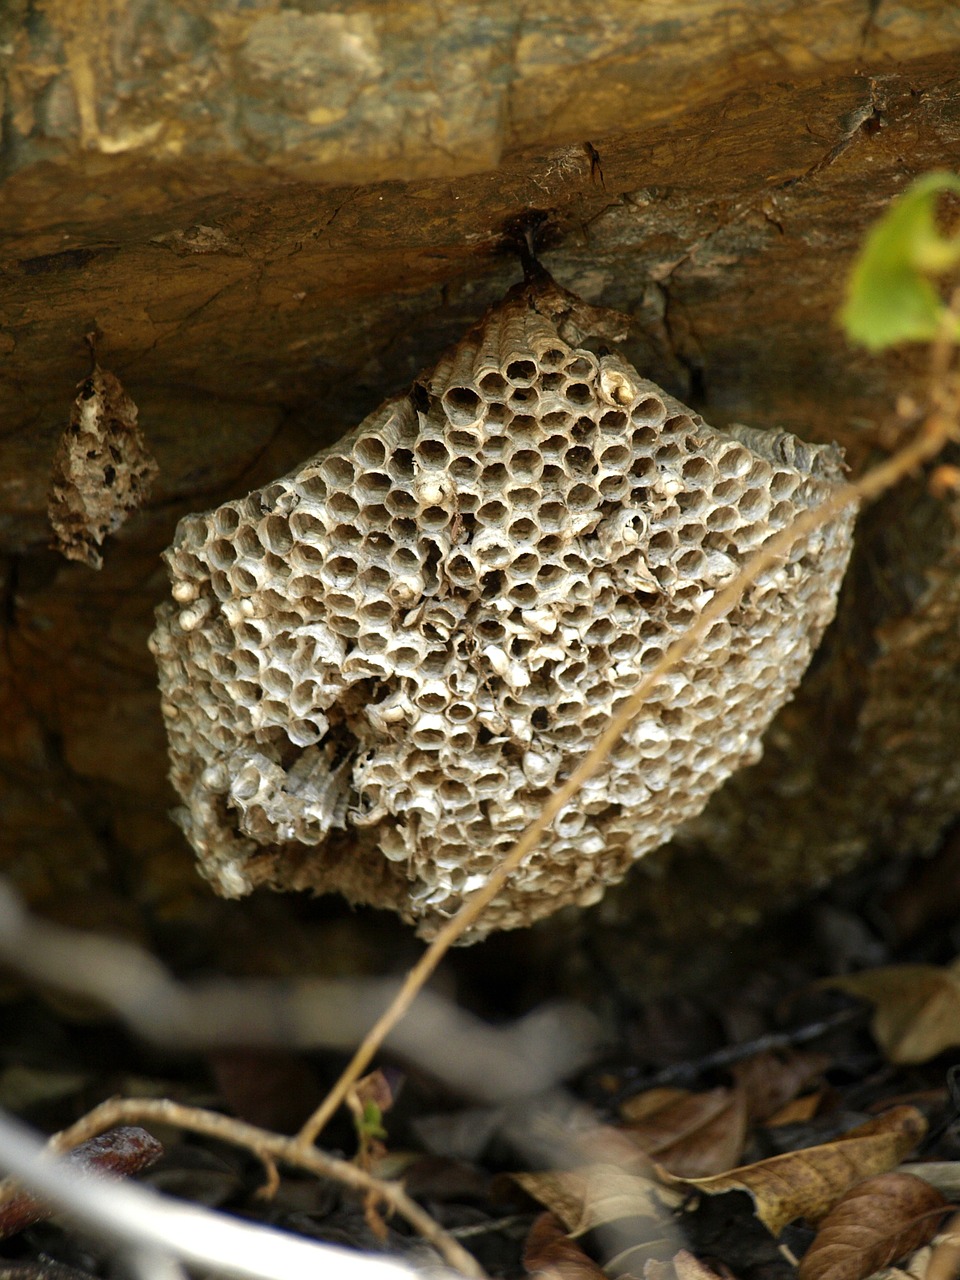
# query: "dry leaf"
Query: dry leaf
{"points": [[126, 1149], [640, 1107], [876, 1222], [682, 1266], [799, 1111], [273, 1088], [595, 1195], [102, 470], [691, 1134], [942, 1174], [550, 1251], [605, 1144], [913, 1268], [808, 1183], [944, 1262], [689, 1267], [772, 1080], [917, 1013], [637, 1252]]}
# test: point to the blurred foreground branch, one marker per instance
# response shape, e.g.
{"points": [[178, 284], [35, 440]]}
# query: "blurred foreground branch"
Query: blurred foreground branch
{"points": [[483, 1062]]}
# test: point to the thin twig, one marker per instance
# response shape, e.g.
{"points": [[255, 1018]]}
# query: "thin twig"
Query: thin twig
{"points": [[937, 428], [139, 1221], [270, 1147], [688, 1072]]}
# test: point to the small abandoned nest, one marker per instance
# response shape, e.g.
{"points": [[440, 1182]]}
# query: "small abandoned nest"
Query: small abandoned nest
{"points": [[375, 669], [102, 470]]}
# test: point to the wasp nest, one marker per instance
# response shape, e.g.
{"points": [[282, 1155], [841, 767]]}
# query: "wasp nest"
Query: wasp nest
{"points": [[375, 669], [102, 471]]}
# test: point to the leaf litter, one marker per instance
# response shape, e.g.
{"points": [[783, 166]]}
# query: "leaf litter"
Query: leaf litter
{"points": [[916, 1008], [807, 1183], [874, 1223], [633, 1204], [636, 1200]]}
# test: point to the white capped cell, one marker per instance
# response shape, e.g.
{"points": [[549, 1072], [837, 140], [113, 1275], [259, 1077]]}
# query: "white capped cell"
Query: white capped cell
{"points": [[185, 591], [195, 615], [497, 659], [542, 620]]}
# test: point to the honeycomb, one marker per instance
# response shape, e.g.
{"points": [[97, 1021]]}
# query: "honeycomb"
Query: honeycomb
{"points": [[375, 669]]}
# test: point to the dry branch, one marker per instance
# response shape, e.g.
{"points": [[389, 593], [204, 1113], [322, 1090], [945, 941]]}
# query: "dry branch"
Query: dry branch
{"points": [[487, 1063], [938, 427], [268, 1147], [152, 1232]]}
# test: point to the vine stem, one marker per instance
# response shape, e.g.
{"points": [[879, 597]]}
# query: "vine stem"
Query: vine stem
{"points": [[938, 426], [269, 1148]]}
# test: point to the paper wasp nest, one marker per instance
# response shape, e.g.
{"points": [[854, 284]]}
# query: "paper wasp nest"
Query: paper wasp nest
{"points": [[102, 471], [375, 669]]}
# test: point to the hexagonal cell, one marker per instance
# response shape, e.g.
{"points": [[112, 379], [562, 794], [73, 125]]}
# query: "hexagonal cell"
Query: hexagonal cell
{"points": [[463, 406]]}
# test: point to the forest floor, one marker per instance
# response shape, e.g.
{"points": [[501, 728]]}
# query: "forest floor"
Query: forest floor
{"points": [[771, 1072]]}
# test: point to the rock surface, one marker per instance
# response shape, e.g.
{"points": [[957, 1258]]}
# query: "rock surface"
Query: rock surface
{"points": [[276, 216]]}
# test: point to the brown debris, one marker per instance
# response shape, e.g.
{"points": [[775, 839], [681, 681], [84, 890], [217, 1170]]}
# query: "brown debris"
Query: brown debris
{"points": [[916, 1007], [693, 1135], [125, 1150]]}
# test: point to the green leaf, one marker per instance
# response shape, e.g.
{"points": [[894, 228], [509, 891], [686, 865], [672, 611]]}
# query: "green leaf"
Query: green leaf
{"points": [[371, 1125], [890, 298]]}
